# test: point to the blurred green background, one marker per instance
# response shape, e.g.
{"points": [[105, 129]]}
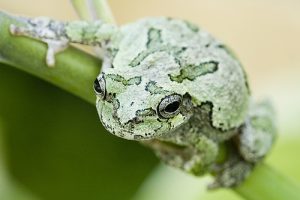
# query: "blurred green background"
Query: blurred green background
{"points": [[53, 145]]}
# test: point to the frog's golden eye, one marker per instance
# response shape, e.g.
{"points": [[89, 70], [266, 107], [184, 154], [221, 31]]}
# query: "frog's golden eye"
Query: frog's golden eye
{"points": [[169, 106], [99, 87]]}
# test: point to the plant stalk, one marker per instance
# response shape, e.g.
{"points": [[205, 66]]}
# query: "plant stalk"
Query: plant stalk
{"points": [[93, 10], [74, 70], [267, 183]]}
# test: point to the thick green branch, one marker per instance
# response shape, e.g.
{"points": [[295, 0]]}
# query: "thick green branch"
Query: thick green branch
{"points": [[267, 183], [74, 71], [264, 182]]}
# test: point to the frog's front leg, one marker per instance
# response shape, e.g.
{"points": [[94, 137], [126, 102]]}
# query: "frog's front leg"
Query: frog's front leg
{"points": [[258, 133], [59, 34], [254, 141], [195, 159]]}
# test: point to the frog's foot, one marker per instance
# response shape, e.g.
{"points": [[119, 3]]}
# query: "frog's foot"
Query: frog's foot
{"points": [[54, 45], [231, 173]]}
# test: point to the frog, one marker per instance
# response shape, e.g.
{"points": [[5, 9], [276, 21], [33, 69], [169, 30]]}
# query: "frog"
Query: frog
{"points": [[175, 88]]}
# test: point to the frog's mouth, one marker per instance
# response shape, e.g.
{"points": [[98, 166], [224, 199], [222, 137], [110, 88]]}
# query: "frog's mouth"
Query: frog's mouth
{"points": [[134, 129]]}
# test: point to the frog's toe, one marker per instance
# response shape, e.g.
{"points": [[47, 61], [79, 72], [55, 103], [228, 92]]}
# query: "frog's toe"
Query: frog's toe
{"points": [[231, 173], [14, 30], [54, 47]]}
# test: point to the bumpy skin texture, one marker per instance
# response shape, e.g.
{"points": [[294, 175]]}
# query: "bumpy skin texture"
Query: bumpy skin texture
{"points": [[170, 57], [177, 89]]}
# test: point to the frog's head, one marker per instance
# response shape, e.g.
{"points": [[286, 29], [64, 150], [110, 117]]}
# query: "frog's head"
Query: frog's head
{"points": [[138, 109]]}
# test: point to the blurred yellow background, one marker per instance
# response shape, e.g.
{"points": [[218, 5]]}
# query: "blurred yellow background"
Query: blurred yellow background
{"points": [[265, 34]]}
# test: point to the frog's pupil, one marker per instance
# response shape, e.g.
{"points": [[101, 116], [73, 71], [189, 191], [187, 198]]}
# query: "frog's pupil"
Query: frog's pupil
{"points": [[172, 107], [97, 86]]}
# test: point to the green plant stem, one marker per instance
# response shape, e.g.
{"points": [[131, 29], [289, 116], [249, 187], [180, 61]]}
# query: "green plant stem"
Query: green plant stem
{"points": [[81, 8], [267, 183], [75, 72], [264, 182], [103, 11], [93, 9]]}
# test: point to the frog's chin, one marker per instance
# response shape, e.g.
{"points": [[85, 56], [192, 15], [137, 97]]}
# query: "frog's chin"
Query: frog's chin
{"points": [[128, 134], [139, 134], [131, 134]]}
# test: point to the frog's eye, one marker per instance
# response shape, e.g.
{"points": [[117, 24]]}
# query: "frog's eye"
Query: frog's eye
{"points": [[99, 87], [169, 106]]}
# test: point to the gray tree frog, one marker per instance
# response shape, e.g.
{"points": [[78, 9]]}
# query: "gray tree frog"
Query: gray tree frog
{"points": [[175, 88]]}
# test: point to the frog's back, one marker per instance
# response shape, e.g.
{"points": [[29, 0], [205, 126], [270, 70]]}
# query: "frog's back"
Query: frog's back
{"points": [[180, 57], [150, 33]]}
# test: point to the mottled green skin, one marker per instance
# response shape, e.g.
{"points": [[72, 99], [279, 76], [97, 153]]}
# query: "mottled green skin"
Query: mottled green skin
{"points": [[155, 61], [176, 48]]}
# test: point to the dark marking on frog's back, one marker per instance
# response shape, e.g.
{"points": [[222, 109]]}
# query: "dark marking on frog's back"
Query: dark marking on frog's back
{"points": [[154, 38], [153, 44], [153, 88], [190, 72], [141, 56], [191, 26], [131, 81]]}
